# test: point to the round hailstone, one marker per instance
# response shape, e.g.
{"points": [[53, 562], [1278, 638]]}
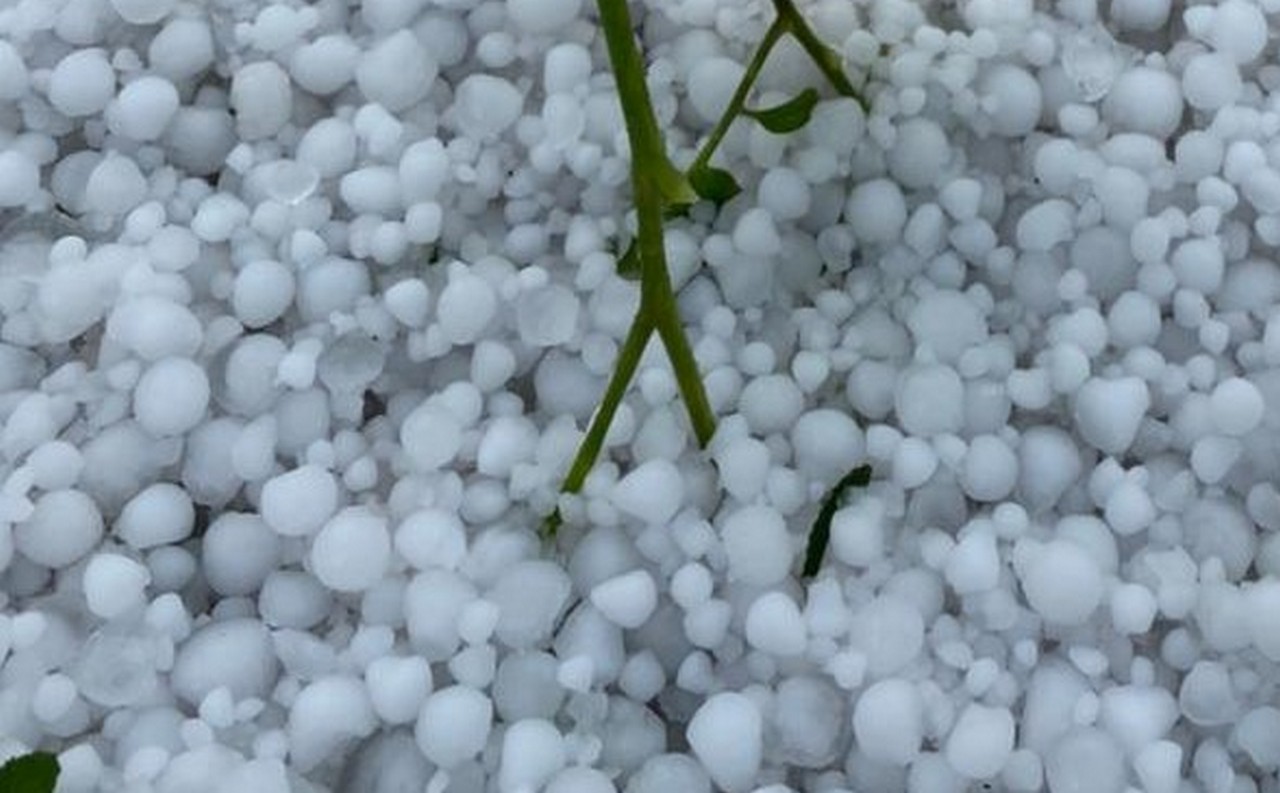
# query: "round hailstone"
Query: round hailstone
{"points": [[397, 72], [351, 553], [581, 779], [542, 16], [974, 563], [757, 545], [454, 725], [1137, 715], [652, 493], [19, 179], [1237, 406], [159, 515], [263, 291], [774, 625], [324, 66], [533, 750], [990, 469], [1062, 583], [155, 327], [726, 735], [1045, 225], [63, 526], [171, 397], [114, 585], [710, 84], [948, 322], [326, 716], [530, 596], [1108, 413], [889, 631], [143, 12], [888, 722], [82, 83], [627, 600], [262, 99], [484, 106], [1264, 617], [1256, 734], [930, 400], [398, 685], [1016, 99], [920, 153], [432, 537], [1145, 100], [771, 403], [1086, 759], [115, 186], [238, 552], [14, 80], [1238, 30], [826, 444], [876, 211], [431, 437], [1211, 81], [298, 502], [981, 741], [183, 48], [236, 654], [784, 193], [548, 316], [143, 108], [466, 306]]}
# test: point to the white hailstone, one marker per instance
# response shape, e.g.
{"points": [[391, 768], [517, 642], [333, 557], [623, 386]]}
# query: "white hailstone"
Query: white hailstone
{"points": [[771, 403], [784, 193], [329, 146], [432, 537], [710, 84], [160, 514], [262, 99], [1137, 715], [82, 83], [14, 79], [1145, 15], [876, 211], [63, 526], [398, 685], [826, 444], [1129, 508], [755, 235], [743, 465], [115, 186], [171, 397], [1015, 100], [154, 327], [1144, 99], [1062, 582], [374, 190], [1045, 225], [530, 597], [237, 553], [981, 741], [485, 106], [114, 585], [1211, 81], [466, 306], [537, 17], [1238, 30], [431, 437], [774, 625], [1133, 608], [53, 697], [1086, 759], [627, 600], [757, 545], [533, 750], [143, 108], [1133, 320], [990, 469], [919, 154], [298, 502], [326, 65], [889, 632], [929, 400], [974, 563], [726, 735], [352, 551], [325, 717], [652, 493], [263, 291], [1256, 734], [858, 532], [1264, 616], [19, 178], [1159, 767], [397, 72], [183, 48], [143, 12], [236, 654], [1108, 413], [948, 323], [581, 779], [1237, 406], [888, 722], [454, 725]]}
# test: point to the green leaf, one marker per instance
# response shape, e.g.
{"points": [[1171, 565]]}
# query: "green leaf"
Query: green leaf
{"points": [[29, 773], [628, 265], [714, 184], [820, 533], [789, 116]]}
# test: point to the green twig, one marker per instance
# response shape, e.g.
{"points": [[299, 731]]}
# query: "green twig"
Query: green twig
{"points": [[825, 58], [738, 102]]}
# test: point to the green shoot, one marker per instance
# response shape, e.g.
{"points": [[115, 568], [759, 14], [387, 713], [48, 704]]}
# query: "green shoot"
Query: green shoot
{"points": [[820, 532], [661, 190]]}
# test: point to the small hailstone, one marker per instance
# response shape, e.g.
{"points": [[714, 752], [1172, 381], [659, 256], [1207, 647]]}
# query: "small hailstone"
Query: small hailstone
{"points": [[930, 400], [262, 98], [889, 632], [143, 108], [326, 65], [1211, 81], [826, 444], [19, 178], [1108, 412], [726, 735], [432, 537], [115, 186], [628, 600], [784, 193], [465, 308], [238, 552], [352, 551], [398, 685], [974, 564], [325, 716], [1255, 732], [758, 545], [990, 469], [63, 526], [14, 79], [263, 291], [948, 322], [1238, 30], [771, 403], [160, 514], [743, 464], [538, 17], [533, 750], [653, 492], [1237, 406], [1062, 582], [1146, 100], [888, 722], [171, 397], [710, 83], [858, 533], [485, 106], [1045, 225], [981, 741], [453, 725], [1016, 100], [235, 653], [114, 584], [82, 83], [876, 211], [774, 625]]}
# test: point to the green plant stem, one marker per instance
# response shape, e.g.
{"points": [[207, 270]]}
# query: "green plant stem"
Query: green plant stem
{"points": [[825, 58], [739, 99]]}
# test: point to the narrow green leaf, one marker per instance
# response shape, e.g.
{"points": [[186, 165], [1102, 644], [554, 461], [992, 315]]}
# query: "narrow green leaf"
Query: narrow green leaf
{"points": [[789, 116], [29, 773], [629, 263], [820, 533], [714, 184]]}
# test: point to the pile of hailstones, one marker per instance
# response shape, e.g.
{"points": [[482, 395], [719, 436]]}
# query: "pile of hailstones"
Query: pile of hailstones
{"points": [[305, 305]]}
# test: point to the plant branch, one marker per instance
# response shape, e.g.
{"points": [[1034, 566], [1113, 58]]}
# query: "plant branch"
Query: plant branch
{"points": [[825, 58], [738, 102]]}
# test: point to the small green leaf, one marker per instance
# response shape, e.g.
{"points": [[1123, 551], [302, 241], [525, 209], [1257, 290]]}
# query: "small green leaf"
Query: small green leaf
{"points": [[714, 184], [29, 773], [629, 263], [789, 116], [820, 533]]}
